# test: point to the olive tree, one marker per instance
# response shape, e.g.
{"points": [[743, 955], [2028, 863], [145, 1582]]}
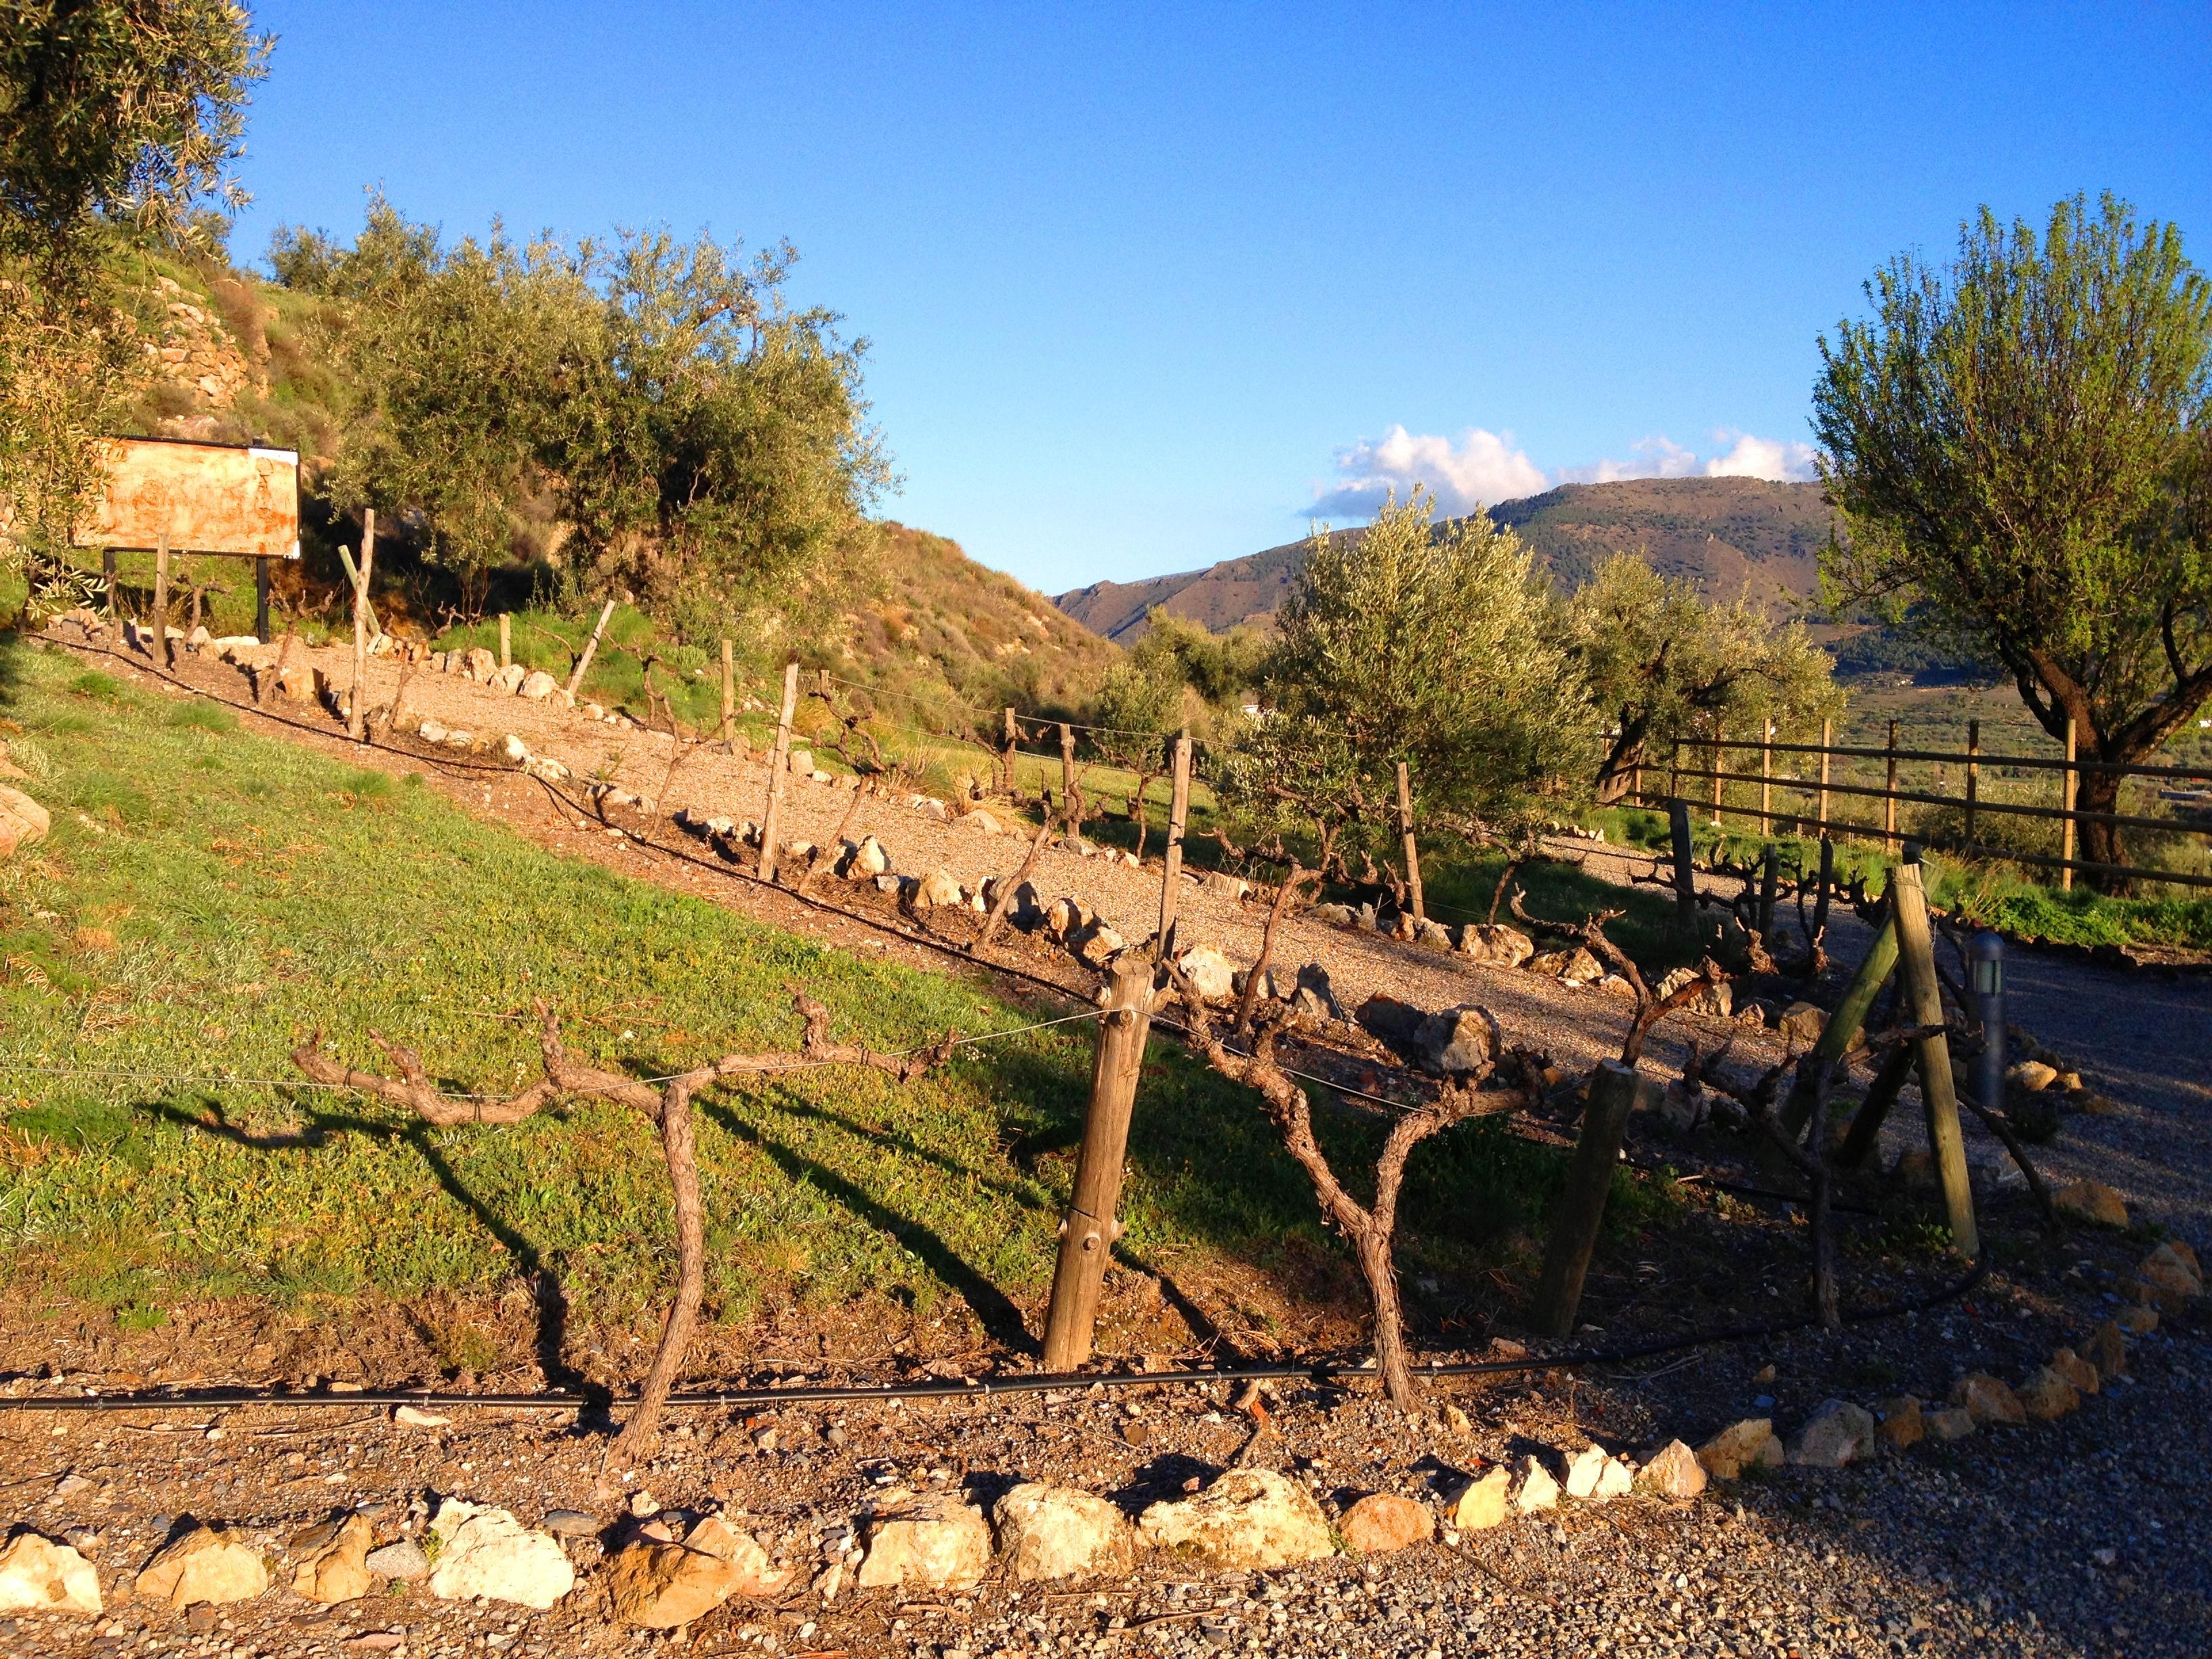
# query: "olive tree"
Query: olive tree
{"points": [[1435, 646], [1663, 664], [2017, 444]]}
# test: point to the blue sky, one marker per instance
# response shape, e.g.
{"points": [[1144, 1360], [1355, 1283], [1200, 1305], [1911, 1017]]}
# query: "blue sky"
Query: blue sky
{"points": [[1151, 287]]}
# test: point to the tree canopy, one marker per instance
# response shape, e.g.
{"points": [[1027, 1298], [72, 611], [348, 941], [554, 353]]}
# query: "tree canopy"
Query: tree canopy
{"points": [[1663, 664], [697, 436], [2017, 442], [1411, 643]]}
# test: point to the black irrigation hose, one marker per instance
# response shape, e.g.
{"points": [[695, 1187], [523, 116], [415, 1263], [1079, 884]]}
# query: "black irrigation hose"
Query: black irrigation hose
{"points": [[981, 1387]]}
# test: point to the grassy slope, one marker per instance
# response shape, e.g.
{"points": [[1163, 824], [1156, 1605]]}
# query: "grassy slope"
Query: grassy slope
{"points": [[208, 895]]}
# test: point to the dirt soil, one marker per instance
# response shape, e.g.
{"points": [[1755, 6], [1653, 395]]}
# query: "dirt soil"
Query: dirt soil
{"points": [[2079, 1537]]}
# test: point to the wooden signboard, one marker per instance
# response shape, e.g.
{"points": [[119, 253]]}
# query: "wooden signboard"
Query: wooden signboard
{"points": [[204, 498]]}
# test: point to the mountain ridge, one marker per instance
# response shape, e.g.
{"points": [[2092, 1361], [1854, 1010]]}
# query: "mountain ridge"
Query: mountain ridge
{"points": [[1728, 535]]}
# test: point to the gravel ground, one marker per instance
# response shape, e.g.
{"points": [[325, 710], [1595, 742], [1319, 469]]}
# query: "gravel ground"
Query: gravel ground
{"points": [[2078, 1538]]}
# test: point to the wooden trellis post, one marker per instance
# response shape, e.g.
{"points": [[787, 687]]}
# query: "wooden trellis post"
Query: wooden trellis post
{"points": [[357, 700], [1766, 781], [162, 603], [1582, 1204], [1087, 1235], [1406, 834], [506, 640], [1171, 865], [1915, 963], [1889, 797], [1067, 778], [1827, 742], [779, 762], [1720, 737], [1012, 736], [1686, 869], [590, 648], [1973, 774], [729, 692]]}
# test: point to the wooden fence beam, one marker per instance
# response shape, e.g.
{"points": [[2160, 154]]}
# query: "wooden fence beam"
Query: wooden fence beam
{"points": [[1087, 1235], [1915, 949], [1612, 1094], [779, 763]]}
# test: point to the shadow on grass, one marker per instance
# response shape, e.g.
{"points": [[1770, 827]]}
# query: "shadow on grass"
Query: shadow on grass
{"points": [[552, 1304]]}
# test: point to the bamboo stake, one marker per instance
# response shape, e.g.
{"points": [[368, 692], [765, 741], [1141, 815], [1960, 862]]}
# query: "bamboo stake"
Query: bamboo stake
{"points": [[591, 648], [2066, 794], [357, 699], [1924, 997], [1413, 851], [1087, 1235], [1171, 865], [1613, 1095], [161, 601], [779, 763], [729, 692]]}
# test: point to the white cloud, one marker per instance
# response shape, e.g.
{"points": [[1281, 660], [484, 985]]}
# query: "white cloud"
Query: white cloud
{"points": [[1782, 459], [1483, 468]]}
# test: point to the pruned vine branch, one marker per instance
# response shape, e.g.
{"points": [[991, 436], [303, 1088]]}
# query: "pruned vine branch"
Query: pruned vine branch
{"points": [[667, 1106], [1370, 1228]]}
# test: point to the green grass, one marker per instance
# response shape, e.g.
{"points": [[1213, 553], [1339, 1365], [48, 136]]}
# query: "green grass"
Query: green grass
{"points": [[210, 896]]}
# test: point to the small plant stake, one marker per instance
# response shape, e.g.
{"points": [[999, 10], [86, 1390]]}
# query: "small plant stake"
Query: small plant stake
{"points": [[779, 762]]}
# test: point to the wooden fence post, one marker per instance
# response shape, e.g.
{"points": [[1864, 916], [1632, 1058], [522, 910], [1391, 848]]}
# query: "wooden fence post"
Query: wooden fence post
{"points": [[357, 699], [1770, 878], [1916, 952], [1068, 779], [1973, 774], [1766, 781], [506, 640], [1889, 797], [779, 762], [591, 648], [2067, 791], [1087, 1235], [1008, 739], [261, 601], [1827, 742], [161, 601], [1612, 1095], [729, 692], [1406, 834], [107, 575], [1686, 869], [1171, 865]]}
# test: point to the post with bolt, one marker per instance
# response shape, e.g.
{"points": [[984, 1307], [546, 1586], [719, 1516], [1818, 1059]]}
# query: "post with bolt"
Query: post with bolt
{"points": [[1087, 1235]]}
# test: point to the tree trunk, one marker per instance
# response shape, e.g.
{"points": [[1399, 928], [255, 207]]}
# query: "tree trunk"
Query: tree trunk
{"points": [[2100, 842], [1624, 755], [1372, 1246]]}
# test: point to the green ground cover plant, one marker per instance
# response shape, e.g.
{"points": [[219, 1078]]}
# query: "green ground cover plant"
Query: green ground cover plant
{"points": [[210, 896]]}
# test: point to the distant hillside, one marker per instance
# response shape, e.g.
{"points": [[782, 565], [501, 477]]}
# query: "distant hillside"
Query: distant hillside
{"points": [[1726, 534]]}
